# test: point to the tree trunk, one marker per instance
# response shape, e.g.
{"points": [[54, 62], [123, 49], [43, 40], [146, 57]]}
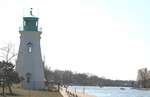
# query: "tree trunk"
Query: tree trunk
{"points": [[3, 87], [9, 87], [3, 90]]}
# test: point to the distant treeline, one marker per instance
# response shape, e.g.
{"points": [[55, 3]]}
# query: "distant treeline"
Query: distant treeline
{"points": [[70, 78]]}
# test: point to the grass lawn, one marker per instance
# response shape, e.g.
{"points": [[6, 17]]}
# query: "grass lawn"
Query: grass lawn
{"points": [[19, 92]]}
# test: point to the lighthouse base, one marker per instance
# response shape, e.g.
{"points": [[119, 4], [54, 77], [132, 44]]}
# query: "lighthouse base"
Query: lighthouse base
{"points": [[34, 85]]}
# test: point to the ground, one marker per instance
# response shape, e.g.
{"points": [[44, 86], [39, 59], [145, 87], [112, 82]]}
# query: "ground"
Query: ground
{"points": [[19, 92]]}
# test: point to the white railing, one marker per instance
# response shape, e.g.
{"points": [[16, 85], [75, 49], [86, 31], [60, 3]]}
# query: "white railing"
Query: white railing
{"points": [[22, 29]]}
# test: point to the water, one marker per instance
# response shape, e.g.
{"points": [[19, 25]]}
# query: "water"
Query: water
{"points": [[113, 91]]}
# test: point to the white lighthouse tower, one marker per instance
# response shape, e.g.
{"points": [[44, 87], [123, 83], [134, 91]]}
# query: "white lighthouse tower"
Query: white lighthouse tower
{"points": [[29, 63]]}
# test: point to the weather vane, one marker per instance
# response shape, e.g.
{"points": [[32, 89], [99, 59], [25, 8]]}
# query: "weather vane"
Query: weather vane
{"points": [[31, 11]]}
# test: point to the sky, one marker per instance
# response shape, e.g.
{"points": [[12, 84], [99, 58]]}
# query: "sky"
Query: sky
{"points": [[109, 38]]}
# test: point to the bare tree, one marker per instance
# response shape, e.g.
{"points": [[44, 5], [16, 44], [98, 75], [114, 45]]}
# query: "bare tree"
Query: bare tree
{"points": [[142, 77], [8, 55]]}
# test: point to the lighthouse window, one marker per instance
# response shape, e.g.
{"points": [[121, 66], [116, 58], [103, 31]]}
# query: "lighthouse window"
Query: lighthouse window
{"points": [[29, 47], [36, 23], [24, 23]]}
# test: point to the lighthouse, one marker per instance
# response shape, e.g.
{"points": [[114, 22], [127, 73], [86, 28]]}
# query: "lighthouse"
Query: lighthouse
{"points": [[29, 64]]}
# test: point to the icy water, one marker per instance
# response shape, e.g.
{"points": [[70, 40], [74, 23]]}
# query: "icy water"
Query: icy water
{"points": [[113, 91]]}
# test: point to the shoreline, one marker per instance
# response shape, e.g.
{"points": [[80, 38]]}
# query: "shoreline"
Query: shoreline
{"points": [[70, 92]]}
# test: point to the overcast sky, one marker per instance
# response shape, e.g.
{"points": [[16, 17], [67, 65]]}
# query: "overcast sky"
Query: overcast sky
{"points": [[108, 38]]}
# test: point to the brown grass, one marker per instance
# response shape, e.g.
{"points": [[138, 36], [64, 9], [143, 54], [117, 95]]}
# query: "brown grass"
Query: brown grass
{"points": [[19, 92]]}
